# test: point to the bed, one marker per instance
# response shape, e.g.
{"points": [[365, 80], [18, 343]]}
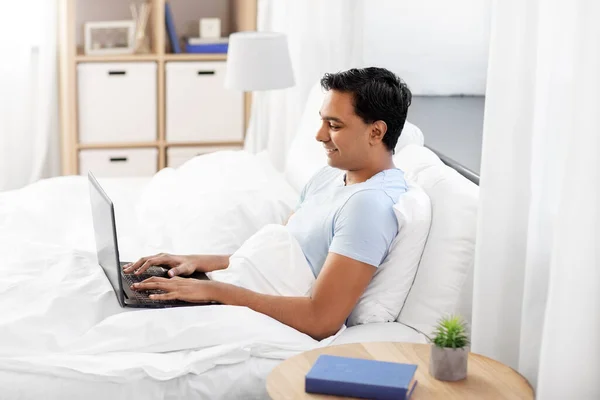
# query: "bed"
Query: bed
{"points": [[64, 336]]}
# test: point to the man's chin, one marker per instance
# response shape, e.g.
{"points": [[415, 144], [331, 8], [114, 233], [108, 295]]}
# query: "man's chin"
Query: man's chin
{"points": [[333, 163]]}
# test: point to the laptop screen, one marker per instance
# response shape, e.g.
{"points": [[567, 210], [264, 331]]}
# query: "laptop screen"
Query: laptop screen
{"points": [[103, 214]]}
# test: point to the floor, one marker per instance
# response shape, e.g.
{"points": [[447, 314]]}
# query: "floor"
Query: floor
{"points": [[452, 125]]}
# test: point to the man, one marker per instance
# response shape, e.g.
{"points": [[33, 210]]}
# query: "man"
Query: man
{"points": [[344, 223]]}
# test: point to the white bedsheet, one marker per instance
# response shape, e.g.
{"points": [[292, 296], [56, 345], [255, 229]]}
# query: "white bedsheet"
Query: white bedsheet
{"points": [[60, 317], [245, 380], [270, 262]]}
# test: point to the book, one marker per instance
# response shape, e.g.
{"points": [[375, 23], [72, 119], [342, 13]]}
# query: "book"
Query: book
{"points": [[355, 377], [207, 48], [170, 24], [199, 40]]}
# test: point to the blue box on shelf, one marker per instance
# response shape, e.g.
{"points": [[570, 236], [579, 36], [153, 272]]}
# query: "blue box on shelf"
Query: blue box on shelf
{"points": [[207, 48]]}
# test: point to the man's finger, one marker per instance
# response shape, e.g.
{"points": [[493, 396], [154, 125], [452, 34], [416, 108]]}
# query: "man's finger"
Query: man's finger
{"points": [[156, 279], [129, 268], [155, 260], [166, 259], [152, 283], [169, 260], [164, 296], [148, 286]]}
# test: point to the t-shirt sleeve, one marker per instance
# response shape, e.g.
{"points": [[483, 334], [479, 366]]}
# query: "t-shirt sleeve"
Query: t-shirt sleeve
{"points": [[365, 228]]}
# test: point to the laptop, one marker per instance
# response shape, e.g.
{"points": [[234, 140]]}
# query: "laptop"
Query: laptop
{"points": [[105, 230]]}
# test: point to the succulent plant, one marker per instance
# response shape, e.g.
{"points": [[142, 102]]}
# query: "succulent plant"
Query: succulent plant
{"points": [[451, 332]]}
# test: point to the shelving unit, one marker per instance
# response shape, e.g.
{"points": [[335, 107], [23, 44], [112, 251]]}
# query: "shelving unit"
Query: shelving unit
{"points": [[236, 15]]}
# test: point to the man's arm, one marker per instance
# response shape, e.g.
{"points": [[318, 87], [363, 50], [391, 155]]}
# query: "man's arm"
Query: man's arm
{"points": [[335, 293], [337, 290]]}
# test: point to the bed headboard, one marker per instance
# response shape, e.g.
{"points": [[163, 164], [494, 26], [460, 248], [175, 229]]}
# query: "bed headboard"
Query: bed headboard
{"points": [[461, 169]]}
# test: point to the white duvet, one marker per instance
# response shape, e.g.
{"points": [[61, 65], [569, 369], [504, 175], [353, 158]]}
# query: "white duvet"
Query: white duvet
{"points": [[59, 314]]}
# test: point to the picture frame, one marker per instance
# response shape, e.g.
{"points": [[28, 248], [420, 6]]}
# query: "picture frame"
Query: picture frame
{"points": [[109, 37]]}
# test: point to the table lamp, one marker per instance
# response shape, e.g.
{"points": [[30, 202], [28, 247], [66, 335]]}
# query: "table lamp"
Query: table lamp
{"points": [[258, 61]]}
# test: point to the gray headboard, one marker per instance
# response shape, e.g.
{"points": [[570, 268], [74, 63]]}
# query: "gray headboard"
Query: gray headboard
{"points": [[461, 169]]}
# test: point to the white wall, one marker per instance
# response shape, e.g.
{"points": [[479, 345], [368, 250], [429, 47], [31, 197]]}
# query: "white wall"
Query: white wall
{"points": [[439, 47]]}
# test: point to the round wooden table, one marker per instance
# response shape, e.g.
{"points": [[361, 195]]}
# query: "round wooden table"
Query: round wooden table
{"points": [[486, 378]]}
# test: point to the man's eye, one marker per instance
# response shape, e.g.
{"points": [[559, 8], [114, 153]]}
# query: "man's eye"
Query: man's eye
{"points": [[334, 127]]}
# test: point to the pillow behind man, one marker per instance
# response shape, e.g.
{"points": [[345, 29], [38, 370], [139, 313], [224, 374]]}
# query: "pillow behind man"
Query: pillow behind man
{"points": [[384, 297]]}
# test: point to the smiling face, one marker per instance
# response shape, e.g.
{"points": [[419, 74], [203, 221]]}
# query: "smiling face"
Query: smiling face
{"points": [[345, 136]]}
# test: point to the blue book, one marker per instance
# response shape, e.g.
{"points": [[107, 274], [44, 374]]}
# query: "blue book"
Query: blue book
{"points": [[355, 377], [171, 29], [207, 48]]}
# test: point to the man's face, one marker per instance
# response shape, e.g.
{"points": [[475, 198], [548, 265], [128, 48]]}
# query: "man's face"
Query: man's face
{"points": [[344, 134]]}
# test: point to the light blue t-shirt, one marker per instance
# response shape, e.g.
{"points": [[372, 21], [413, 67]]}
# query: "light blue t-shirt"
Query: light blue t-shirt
{"points": [[356, 221]]}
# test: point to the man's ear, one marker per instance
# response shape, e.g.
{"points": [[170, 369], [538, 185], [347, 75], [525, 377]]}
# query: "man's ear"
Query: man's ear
{"points": [[378, 130]]}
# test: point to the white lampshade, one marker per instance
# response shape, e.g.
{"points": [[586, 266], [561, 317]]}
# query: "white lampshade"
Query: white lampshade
{"points": [[258, 61]]}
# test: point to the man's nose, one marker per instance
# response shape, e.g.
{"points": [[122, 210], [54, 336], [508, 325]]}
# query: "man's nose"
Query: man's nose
{"points": [[322, 134]]}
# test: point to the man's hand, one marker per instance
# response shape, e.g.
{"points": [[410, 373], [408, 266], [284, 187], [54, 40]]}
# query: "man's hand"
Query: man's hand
{"points": [[179, 265], [190, 290]]}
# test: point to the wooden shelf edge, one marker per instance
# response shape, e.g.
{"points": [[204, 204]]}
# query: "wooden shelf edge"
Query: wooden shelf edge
{"points": [[194, 57], [131, 145], [202, 144], [128, 145], [117, 58], [79, 58]]}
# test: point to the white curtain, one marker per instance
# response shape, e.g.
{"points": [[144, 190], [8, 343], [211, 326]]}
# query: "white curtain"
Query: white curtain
{"points": [[537, 274], [29, 148], [323, 36]]}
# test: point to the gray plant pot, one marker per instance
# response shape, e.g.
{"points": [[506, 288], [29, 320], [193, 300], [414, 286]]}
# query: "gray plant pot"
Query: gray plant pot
{"points": [[447, 364]]}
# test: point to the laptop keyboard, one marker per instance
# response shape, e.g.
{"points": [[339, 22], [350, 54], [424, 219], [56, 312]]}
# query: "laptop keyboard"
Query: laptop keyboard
{"points": [[142, 296]]}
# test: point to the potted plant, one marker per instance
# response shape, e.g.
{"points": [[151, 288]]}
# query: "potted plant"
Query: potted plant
{"points": [[449, 352]]}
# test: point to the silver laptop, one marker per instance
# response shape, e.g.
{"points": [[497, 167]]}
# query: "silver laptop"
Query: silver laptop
{"points": [[105, 230]]}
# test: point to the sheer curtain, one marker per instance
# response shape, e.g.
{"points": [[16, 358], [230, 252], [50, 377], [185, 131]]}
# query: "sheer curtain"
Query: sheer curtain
{"points": [[537, 274], [28, 93], [323, 36]]}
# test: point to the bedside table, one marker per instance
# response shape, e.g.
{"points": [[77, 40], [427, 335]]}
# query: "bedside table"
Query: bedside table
{"points": [[486, 378]]}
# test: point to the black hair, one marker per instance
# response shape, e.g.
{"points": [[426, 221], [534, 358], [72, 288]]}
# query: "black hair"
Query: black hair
{"points": [[378, 95]]}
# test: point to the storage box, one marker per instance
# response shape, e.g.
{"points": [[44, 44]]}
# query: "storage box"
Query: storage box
{"points": [[117, 102], [198, 107], [118, 162], [177, 156]]}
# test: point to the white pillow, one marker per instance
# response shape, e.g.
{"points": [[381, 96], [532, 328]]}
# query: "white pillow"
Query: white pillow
{"points": [[386, 294], [411, 135], [213, 203], [414, 158], [442, 278]]}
